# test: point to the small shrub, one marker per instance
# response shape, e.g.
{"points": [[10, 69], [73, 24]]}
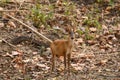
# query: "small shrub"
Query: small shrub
{"points": [[92, 23], [39, 16], [109, 2]]}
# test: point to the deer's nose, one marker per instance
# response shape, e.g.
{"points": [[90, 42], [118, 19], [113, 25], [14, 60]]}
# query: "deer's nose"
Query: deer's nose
{"points": [[72, 37]]}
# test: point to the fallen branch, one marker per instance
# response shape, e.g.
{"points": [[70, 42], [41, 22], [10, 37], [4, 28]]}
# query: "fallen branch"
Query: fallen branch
{"points": [[35, 31], [8, 43], [12, 10]]}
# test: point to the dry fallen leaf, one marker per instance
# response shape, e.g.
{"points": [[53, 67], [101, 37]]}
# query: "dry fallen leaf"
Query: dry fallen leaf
{"points": [[19, 1], [78, 66], [1, 24], [55, 78], [59, 3], [41, 65], [14, 53], [1, 8], [9, 55], [61, 68], [20, 67], [80, 40], [19, 63], [104, 27], [27, 60], [87, 56], [90, 55], [35, 53], [92, 29], [91, 42], [102, 62], [12, 24]]}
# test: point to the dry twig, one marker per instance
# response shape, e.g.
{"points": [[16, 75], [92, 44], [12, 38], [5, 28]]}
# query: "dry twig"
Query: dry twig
{"points": [[12, 10], [8, 43]]}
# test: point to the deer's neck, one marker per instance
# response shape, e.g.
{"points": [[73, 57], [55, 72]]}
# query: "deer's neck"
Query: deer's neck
{"points": [[70, 41]]}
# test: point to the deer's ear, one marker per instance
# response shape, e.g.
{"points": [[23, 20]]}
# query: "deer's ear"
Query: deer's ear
{"points": [[74, 29], [70, 29]]}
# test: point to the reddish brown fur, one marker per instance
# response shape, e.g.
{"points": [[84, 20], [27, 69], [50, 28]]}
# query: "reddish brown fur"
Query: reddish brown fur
{"points": [[61, 48]]}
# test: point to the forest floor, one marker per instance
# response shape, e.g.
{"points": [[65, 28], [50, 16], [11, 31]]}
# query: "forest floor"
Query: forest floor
{"points": [[96, 52]]}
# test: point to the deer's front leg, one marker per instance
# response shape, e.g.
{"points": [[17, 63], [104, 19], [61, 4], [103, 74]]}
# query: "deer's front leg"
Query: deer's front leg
{"points": [[69, 57], [64, 61], [53, 62]]}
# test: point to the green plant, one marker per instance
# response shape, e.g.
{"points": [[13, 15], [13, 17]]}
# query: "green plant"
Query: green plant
{"points": [[69, 11], [88, 36], [99, 1], [69, 8], [80, 32], [39, 16], [93, 21], [4, 1], [110, 2]]}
